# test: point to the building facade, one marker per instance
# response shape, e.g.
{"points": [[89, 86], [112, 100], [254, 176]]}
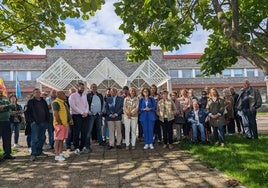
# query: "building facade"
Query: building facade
{"points": [[64, 68]]}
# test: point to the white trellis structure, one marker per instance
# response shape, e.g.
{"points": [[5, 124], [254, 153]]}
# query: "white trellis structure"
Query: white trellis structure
{"points": [[61, 76], [151, 73], [106, 70]]}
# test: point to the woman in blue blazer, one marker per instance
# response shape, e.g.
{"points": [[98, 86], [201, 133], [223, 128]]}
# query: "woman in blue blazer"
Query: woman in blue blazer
{"points": [[147, 115]]}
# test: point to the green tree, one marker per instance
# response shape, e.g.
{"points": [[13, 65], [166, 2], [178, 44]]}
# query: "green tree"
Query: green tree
{"points": [[238, 28], [40, 22]]}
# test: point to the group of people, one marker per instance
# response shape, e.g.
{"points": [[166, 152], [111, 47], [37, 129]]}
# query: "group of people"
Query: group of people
{"points": [[71, 120]]}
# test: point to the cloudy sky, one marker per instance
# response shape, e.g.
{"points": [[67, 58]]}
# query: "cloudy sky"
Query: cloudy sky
{"points": [[101, 32]]}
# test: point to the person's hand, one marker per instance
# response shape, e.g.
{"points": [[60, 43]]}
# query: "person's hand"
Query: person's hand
{"points": [[146, 108], [84, 115]]}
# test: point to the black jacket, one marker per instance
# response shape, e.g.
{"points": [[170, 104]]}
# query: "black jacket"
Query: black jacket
{"points": [[31, 111]]}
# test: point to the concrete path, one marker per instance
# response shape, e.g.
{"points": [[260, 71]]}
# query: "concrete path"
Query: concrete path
{"points": [[111, 168]]}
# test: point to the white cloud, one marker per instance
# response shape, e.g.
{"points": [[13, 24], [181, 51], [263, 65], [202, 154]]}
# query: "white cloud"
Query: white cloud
{"points": [[101, 32]]}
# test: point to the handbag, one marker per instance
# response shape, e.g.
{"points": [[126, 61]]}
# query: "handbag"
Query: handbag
{"points": [[179, 120]]}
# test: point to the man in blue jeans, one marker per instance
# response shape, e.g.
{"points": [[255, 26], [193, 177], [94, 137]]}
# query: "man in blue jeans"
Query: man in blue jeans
{"points": [[197, 117], [249, 100], [96, 110], [38, 114]]}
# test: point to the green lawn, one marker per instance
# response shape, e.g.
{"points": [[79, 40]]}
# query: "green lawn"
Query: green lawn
{"points": [[244, 160]]}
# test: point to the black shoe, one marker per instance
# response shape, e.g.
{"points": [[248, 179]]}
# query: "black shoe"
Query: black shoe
{"points": [[9, 157], [32, 158], [110, 147], [119, 147], [43, 155], [102, 143]]}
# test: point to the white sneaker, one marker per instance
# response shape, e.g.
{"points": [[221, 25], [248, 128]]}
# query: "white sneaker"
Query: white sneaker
{"points": [[151, 146], [59, 158], [17, 146], [65, 155], [77, 151], [30, 150], [146, 146]]}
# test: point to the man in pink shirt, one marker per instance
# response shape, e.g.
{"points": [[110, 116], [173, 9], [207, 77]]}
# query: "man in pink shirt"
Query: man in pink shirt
{"points": [[79, 111]]}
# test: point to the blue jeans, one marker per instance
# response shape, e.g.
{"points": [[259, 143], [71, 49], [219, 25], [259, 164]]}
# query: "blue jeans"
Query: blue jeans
{"points": [[38, 136], [249, 123], [50, 131], [97, 121], [201, 128], [70, 138], [16, 128], [219, 134], [105, 129]]}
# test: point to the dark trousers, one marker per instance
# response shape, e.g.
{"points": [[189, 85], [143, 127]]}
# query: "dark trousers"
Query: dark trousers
{"points": [[5, 133], [157, 130], [238, 121], [140, 130], [70, 138], [81, 125], [167, 127], [230, 125], [50, 130], [185, 128]]}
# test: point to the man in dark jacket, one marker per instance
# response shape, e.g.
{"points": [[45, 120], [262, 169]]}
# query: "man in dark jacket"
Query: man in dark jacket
{"points": [[38, 114], [247, 103], [5, 129]]}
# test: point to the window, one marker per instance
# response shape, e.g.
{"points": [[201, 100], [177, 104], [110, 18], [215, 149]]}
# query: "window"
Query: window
{"points": [[187, 73], [198, 73], [226, 73], [35, 74], [260, 73], [173, 73], [22, 75], [5, 75], [250, 72], [238, 73]]}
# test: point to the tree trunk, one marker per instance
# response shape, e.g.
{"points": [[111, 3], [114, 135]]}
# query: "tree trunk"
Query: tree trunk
{"points": [[237, 44]]}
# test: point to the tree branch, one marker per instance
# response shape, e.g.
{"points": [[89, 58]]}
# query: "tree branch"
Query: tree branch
{"points": [[237, 44], [18, 31]]}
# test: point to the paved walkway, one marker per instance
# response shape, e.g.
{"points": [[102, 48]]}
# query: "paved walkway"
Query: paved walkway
{"points": [[113, 168]]}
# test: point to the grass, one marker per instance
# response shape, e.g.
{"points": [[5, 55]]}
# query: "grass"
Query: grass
{"points": [[242, 159], [262, 113], [14, 150]]}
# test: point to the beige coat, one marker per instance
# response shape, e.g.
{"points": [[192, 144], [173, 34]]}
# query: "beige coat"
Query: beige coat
{"points": [[132, 106], [170, 108]]}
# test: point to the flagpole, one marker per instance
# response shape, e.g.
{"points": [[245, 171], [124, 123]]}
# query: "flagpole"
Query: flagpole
{"points": [[18, 91]]}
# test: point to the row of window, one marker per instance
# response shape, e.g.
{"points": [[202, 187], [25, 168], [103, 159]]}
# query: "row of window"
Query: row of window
{"points": [[196, 73], [22, 75], [183, 73]]}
